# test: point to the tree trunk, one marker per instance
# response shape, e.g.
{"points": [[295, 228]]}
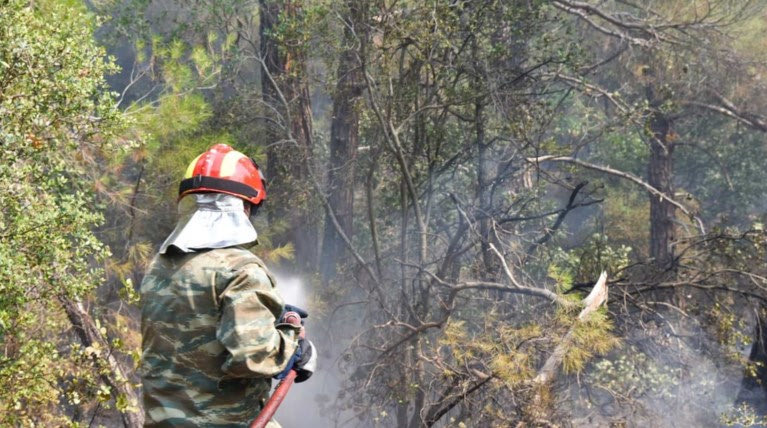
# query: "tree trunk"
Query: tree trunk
{"points": [[660, 176], [483, 191], [344, 137], [289, 152], [116, 375]]}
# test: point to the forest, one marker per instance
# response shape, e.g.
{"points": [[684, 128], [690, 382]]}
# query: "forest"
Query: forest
{"points": [[499, 213]]}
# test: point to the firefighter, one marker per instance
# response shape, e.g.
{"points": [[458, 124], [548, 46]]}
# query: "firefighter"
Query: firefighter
{"points": [[211, 318]]}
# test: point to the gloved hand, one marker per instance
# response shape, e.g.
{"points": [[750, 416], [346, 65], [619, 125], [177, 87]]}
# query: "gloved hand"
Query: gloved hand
{"points": [[293, 316], [301, 312], [304, 360]]}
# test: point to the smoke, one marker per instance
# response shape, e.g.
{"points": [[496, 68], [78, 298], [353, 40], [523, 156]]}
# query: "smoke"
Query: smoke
{"points": [[293, 291], [667, 373], [310, 403]]}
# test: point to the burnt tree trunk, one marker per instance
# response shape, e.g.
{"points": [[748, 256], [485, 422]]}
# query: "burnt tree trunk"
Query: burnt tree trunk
{"points": [[284, 88], [344, 137], [660, 176]]}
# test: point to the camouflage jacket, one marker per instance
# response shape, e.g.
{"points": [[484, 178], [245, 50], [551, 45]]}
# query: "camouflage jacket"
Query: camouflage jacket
{"points": [[210, 345]]}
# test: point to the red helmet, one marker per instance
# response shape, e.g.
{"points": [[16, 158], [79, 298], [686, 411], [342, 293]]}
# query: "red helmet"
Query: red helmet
{"points": [[224, 170]]}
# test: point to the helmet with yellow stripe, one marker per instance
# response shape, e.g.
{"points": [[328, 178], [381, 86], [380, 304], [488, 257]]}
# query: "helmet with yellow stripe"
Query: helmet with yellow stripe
{"points": [[222, 169]]}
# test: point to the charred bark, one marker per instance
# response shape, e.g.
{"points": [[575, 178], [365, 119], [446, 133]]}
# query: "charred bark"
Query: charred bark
{"points": [[660, 176]]}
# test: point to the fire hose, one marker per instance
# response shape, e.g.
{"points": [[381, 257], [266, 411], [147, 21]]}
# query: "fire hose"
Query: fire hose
{"points": [[283, 387], [275, 400]]}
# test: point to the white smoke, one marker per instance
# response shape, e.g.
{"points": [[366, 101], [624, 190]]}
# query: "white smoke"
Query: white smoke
{"points": [[292, 291], [306, 404]]}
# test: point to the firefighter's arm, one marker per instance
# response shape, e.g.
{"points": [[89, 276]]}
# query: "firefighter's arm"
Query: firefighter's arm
{"points": [[250, 304]]}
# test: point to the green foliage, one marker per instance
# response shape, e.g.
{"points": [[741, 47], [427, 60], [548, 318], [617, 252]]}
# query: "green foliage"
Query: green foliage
{"points": [[586, 262], [56, 114], [723, 171], [623, 150], [508, 359], [473, 91], [626, 219], [591, 337], [634, 372], [729, 330], [512, 363], [742, 415]]}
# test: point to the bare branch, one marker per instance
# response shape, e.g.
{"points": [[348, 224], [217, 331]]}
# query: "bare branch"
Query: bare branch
{"points": [[728, 108], [625, 175]]}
